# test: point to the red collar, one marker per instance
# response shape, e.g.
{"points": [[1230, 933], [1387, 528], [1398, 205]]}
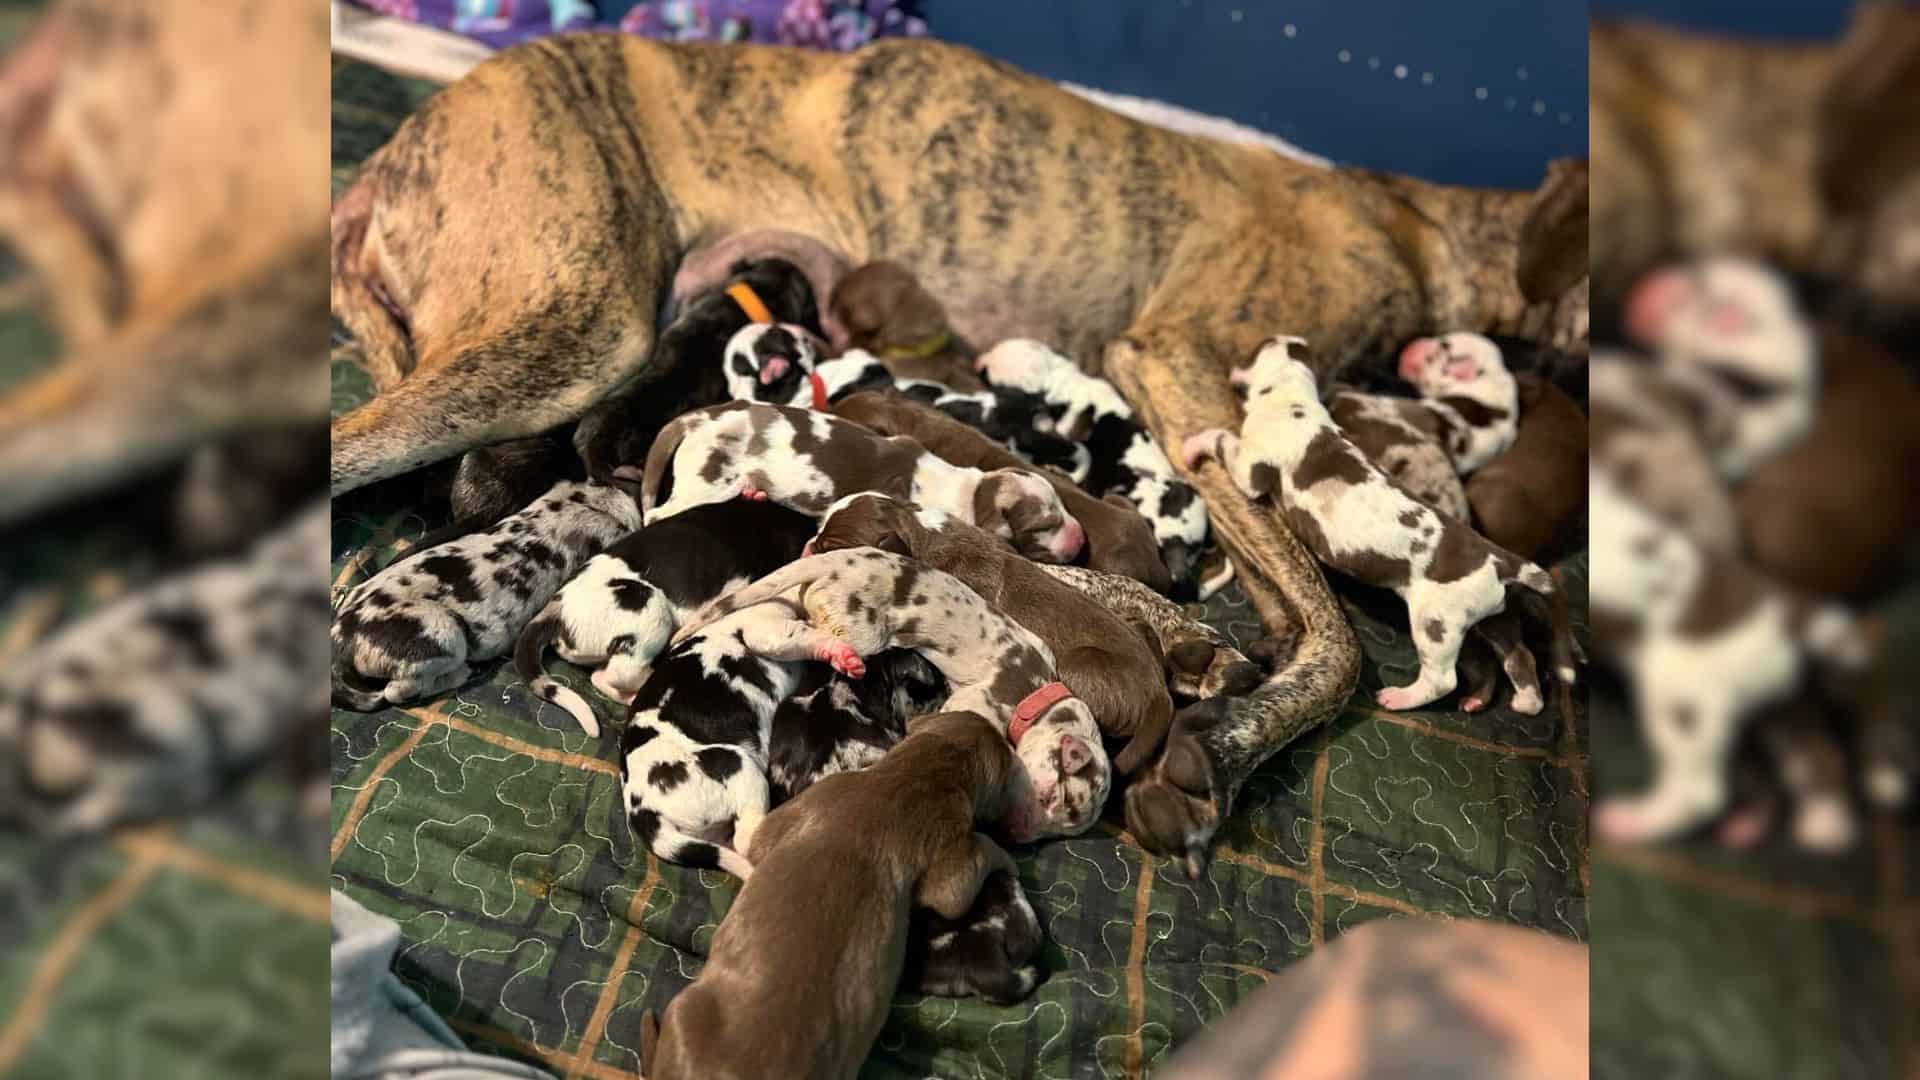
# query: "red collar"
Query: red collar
{"points": [[819, 391], [1031, 706]]}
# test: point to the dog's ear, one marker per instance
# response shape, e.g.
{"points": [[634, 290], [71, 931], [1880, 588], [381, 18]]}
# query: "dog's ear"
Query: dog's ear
{"points": [[1192, 656], [1553, 238], [1868, 140]]}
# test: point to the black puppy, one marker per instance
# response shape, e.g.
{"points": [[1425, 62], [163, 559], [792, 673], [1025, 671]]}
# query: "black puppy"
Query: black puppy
{"points": [[619, 429]]}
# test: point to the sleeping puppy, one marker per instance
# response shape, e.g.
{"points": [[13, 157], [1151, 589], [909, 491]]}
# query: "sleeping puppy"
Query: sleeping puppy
{"points": [[1399, 435], [697, 754], [494, 481], [803, 969], [806, 460], [883, 309], [1105, 662], [618, 430], [1012, 418], [834, 724], [1527, 496], [986, 954], [1125, 459], [156, 701], [774, 363], [1705, 643], [1352, 517], [1649, 434], [1119, 540], [1464, 382], [410, 632], [845, 605], [620, 611], [1729, 332]]}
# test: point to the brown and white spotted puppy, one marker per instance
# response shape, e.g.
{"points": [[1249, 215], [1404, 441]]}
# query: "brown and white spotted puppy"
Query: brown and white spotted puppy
{"points": [[1108, 664], [883, 309], [805, 460], [1463, 379], [151, 704], [1119, 540], [411, 631], [1729, 333], [1352, 517], [860, 601], [986, 954], [1704, 643], [804, 967], [1403, 437], [1647, 436]]}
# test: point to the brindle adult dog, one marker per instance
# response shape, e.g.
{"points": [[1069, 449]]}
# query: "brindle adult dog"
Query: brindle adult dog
{"points": [[510, 247]]}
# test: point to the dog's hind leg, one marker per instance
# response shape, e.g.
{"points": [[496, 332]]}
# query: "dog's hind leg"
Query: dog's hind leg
{"points": [[427, 680], [1502, 633]]}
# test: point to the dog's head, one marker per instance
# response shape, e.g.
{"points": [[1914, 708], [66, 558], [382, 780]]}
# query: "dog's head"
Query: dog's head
{"points": [[1066, 776], [1279, 369], [770, 362], [1022, 508], [1728, 318], [1460, 364], [1022, 364], [871, 519], [882, 307]]}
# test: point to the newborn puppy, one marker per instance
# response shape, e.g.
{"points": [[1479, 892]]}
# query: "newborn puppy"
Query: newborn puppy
{"points": [[621, 610], [1119, 540], [774, 363], [845, 605], [883, 309], [1351, 516], [1011, 418], [985, 954], [1105, 662], [803, 969], [409, 632], [834, 724], [1125, 460], [1528, 495], [1649, 435], [1402, 437], [157, 700], [1704, 642], [806, 460], [618, 430], [1463, 380], [1728, 330]]}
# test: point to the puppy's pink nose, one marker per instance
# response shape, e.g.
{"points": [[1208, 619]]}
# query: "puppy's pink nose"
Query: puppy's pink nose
{"points": [[1071, 538], [1651, 305], [1414, 357], [774, 367]]}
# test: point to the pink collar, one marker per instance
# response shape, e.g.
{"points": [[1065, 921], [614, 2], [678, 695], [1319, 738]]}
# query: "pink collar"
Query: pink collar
{"points": [[1034, 704], [819, 391]]}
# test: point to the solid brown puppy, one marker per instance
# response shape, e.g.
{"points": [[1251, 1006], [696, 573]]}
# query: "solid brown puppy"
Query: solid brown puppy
{"points": [[805, 963], [1522, 498], [886, 311], [1105, 662], [1119, 540]]}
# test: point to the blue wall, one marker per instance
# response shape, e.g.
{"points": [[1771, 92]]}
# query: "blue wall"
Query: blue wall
{"points": [[1802, 19], [1278, 65]]}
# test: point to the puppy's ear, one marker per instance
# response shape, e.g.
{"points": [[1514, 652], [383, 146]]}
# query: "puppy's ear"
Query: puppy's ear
{"points": [[1553, 238], [1192, 656], [1868, 143]]}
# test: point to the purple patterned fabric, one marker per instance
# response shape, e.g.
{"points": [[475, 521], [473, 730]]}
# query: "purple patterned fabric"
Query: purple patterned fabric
{"points": [[839, 25]]}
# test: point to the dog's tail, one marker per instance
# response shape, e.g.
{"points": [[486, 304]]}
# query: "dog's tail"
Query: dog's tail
{"points": [[660, 458], [528, 654], [671, 844], [1541, 583], [791, 576], [352, 690]]}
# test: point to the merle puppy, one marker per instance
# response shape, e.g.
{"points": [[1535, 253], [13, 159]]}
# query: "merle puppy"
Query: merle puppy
{"points": [[619, 429], [410, 631]]}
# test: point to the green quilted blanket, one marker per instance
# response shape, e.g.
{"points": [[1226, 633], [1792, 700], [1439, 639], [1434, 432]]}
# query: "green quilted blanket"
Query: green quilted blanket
{"points": [[490, 827]]}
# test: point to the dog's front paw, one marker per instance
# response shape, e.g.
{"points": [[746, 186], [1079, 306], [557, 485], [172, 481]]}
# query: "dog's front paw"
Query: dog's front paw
{"points": [[1200, 446], [843, 659], [1403, 697]]}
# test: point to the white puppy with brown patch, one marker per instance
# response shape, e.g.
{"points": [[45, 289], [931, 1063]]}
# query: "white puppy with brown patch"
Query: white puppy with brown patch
{"points": [[1463, 380], [1357, 521]]}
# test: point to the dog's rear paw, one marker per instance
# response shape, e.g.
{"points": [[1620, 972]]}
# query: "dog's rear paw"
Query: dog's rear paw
{"points": [[843, 659], [1403, 697]]}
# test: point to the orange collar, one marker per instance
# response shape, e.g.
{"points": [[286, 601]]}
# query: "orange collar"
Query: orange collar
{"points": [[749, 302], [819, 391], [1034, 704]]}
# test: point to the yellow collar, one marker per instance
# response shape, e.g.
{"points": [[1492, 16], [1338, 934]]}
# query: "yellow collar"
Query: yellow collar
{"points": [[922, 350]]}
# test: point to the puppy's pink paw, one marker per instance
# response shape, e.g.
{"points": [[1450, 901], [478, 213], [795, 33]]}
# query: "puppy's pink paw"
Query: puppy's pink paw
{"points": [[748, 491], [1472, 703], [843, 659], [1401, 697], [1199, 446], [1619, 821], [1745, 827]]}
